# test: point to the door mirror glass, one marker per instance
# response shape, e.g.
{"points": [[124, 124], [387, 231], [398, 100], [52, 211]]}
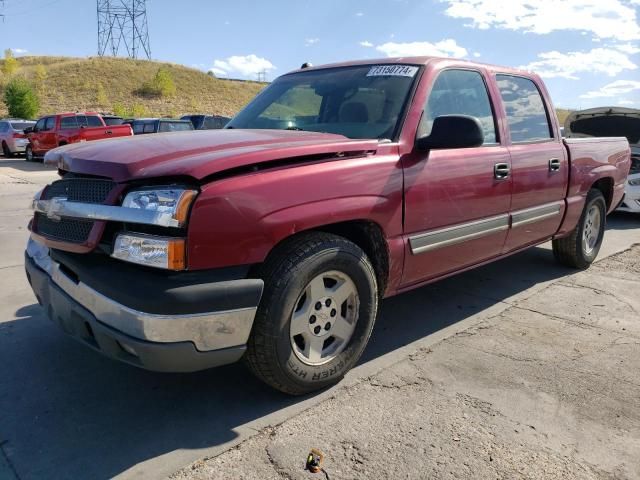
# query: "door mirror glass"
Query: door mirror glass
{"points": [[452, 131], [29, 130]]}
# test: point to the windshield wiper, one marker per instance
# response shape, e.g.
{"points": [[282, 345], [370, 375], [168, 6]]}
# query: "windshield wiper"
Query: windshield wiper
{"points": [[293, 127]]}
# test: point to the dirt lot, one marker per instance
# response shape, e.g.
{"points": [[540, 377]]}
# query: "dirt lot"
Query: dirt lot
{"points": [[549, 388]]}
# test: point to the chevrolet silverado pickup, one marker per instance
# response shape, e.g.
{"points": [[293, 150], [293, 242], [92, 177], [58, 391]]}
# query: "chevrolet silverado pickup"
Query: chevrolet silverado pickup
{"points": [[56, 130], [275, 239]]}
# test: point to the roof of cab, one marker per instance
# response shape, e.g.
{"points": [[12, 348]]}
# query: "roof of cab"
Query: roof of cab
{"points": [[416, 61]]}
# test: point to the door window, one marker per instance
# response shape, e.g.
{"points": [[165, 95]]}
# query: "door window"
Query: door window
{"points": [[3, 127], [460, 92], [93, 121], [525, 108], [149, 128], [50, 123], [40, 124], [68, 123]]}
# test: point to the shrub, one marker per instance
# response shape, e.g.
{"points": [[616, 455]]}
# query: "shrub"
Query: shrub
{"points": [[101, 96], [10, 64], [20, 99], [138, 110], [161, 86], [120, 110]]}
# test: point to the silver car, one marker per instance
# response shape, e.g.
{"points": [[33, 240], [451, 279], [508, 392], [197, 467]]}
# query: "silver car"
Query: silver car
{"points": [[12, 135]]}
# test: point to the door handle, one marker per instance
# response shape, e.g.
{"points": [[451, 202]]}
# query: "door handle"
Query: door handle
{"points": [[108, 132], [554, 165], [501, 171]]}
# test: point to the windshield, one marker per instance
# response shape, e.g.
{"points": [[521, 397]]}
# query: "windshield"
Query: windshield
{"points": [[357, 102]]}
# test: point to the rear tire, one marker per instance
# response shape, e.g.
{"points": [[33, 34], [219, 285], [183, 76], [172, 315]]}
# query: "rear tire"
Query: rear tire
{"points": [[6, 151], [581, 247], [316, 315], [28, 154]]}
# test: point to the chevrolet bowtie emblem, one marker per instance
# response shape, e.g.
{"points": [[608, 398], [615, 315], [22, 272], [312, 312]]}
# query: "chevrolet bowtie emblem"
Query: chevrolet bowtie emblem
{"points": [[55, 207]]}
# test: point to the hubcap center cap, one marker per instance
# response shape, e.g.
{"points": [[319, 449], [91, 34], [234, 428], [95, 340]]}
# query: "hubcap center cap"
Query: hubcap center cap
{"points": [[321, 319]]}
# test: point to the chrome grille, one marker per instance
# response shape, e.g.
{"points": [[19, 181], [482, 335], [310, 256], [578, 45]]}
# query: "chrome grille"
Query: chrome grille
{"points": [[86, 190]]}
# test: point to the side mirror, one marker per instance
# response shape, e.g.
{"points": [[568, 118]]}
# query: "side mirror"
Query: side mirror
{"points": [[452, 131], [29, 130]]}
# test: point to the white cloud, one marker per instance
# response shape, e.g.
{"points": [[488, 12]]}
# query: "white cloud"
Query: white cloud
{"points": [[359, 14], [218, 72], [629, 48], [626, 102], [247, 65], [443, 48], [19, 51], [605, 61], [477, 55], [365, 43], [614, 89], [614, 19], [310, 41]]}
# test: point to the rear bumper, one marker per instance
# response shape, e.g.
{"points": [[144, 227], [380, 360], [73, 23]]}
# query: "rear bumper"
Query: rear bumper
{"points": [[631, 200], [170, 343]]}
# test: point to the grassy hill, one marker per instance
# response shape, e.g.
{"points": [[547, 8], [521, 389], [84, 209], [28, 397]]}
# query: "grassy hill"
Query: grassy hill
{"points": [[108, 84]]}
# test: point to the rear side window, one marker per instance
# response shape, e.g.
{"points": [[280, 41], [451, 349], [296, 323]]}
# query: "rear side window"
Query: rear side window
{"points": [[460, 92], [50, 123], [149, 128], [68, 122], [4, 126], [82, 120], [93, 121], [526, 113]]}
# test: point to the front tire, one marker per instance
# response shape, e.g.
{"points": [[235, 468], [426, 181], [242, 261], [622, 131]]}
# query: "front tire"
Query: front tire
{"points": [[316, 315], [581, 247], [28, 154]]}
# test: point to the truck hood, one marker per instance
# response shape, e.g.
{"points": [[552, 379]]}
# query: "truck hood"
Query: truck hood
{"points": [[199, 154], [605, 122]]}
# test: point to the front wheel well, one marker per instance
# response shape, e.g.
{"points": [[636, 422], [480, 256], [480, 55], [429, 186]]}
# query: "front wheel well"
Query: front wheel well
{"points": [[61, 144], [367, 235], [605, 185]]}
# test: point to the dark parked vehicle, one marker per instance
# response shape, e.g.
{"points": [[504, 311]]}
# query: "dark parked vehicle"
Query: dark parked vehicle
{"points": [[207, 122], [141, 126], [112, 120]]}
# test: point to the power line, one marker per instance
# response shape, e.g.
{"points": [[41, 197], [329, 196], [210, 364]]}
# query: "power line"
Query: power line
{"points": [[123, 23]]}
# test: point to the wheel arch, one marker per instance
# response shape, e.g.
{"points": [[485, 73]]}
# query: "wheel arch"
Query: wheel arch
{"points": [[366, 234], [605, 185]]}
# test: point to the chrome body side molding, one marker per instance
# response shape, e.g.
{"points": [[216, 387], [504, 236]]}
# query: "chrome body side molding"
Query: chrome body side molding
{"points": [[445, 237], [425, 242]]}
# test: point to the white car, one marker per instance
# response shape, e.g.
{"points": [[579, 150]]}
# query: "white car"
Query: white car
{"points": [[613, 122], [12, 137]]}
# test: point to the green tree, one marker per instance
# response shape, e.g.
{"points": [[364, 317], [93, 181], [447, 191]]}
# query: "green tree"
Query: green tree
{"points": [[10, 64], [20, 99]]}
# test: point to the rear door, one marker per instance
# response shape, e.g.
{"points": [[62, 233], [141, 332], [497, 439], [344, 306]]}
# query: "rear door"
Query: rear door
{"points": [[539, 164], [457, 207]]}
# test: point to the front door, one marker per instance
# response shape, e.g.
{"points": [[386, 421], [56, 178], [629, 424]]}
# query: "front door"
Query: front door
{"points": [[539, 164], [457, 200]]}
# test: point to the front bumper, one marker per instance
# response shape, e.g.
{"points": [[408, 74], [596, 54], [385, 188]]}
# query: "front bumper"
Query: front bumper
{"points": [[175, 342], [631, 201]]}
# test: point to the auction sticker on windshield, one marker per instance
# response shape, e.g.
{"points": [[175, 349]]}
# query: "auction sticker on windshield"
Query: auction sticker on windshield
{"points": [[392, 71]]}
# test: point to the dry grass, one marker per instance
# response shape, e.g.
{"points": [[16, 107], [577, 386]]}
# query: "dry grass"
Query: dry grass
{"points": [[73, 84]]}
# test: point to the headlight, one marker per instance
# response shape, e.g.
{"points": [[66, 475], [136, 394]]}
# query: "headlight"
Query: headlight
{"points": [[159, 252], [174, 202]]}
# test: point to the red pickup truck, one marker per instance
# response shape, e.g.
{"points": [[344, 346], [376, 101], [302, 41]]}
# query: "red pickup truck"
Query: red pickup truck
{"points": [[56, 130], [275, 239]]}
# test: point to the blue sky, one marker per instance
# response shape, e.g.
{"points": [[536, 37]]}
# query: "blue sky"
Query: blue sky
{"points": [[588, 51]]}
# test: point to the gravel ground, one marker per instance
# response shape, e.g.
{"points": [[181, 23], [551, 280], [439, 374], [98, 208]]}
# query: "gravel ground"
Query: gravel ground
{"points": [[549, 388]]}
